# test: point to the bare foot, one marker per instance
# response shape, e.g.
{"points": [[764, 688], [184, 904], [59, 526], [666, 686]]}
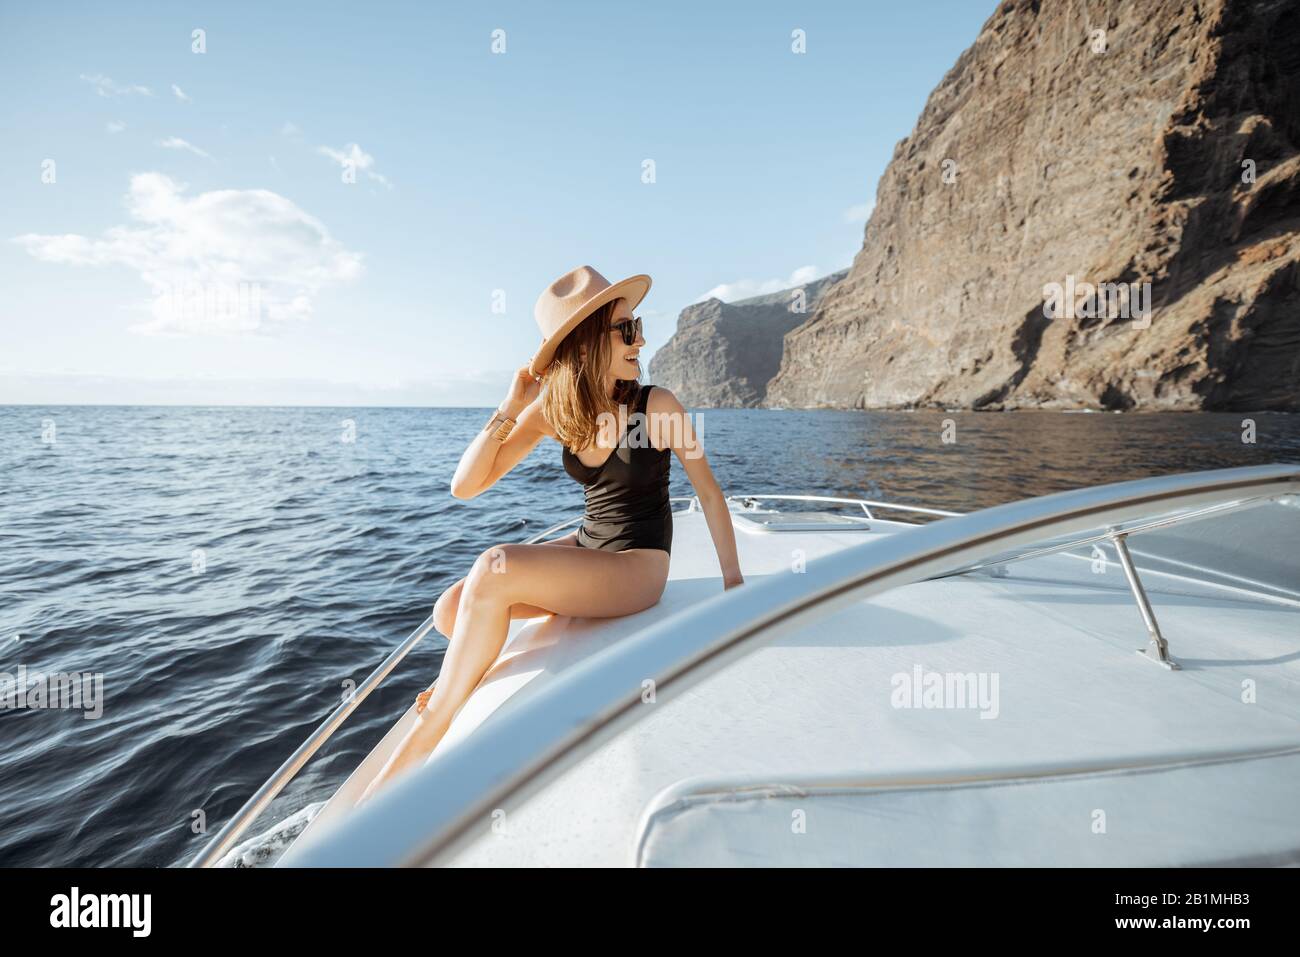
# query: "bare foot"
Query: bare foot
{"points": [[421, 702]]}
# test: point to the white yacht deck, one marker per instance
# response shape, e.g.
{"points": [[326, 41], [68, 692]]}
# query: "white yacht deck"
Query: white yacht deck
{"points": [[1074, 723]]}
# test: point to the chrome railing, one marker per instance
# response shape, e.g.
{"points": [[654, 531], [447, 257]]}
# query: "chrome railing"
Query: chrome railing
{"points": [[1157, 648], [234, 829], [867, 504], [434, 810], [838, 784], [238, 825]]}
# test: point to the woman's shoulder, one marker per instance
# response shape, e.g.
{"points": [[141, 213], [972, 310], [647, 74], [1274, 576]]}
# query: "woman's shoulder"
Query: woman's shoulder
{"points": [[664, 416], [661, 399]]}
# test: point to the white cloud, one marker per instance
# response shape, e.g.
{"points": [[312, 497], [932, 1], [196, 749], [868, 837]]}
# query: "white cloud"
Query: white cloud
{"points": [[105, 86], [176, 143], [860, 213], [223, 261], [115, 126], [747, 288], [180, 94], [354, 156]]}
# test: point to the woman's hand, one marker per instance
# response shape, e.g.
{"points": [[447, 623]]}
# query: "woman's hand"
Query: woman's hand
{"points": [[422, 699], [728, 583], [523, 390]]}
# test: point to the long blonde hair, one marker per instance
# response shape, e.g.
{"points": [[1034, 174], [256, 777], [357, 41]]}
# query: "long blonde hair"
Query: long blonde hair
{"points": [[575, 395]]}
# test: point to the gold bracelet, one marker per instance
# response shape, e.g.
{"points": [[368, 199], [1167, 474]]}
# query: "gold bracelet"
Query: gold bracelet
{"points": [[503, 429]]}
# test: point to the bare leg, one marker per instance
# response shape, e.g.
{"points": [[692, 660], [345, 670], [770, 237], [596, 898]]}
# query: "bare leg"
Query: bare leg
{"points": [[582, 582], [447, 606]]}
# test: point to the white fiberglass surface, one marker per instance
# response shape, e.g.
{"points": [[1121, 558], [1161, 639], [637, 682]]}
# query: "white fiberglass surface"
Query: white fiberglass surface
{"points": [[1036, 670], [1229, 812]]}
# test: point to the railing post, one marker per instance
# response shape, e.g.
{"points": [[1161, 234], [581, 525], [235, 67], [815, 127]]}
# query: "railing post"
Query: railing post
{"points": [[1157, 649]]}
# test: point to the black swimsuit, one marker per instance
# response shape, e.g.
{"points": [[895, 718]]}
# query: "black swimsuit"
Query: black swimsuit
{"points": [[627, 497]]}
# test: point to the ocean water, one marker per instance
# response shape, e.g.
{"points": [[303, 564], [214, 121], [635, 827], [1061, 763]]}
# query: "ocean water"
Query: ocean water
{"points": [[229, 570]]}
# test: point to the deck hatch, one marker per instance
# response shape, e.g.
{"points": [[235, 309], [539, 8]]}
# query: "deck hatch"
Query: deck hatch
{"points": [[801, 521]]}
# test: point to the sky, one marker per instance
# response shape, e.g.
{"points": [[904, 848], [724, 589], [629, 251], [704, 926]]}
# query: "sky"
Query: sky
{"points": [[358, 204]]}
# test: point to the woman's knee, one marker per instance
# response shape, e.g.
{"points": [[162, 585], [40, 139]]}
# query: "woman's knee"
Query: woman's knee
{"points": [[490, 567], [444, 609]]}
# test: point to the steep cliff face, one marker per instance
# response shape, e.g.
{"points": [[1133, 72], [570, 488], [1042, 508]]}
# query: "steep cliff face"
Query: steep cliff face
{"points": [[723, 354], [1104, 143]]}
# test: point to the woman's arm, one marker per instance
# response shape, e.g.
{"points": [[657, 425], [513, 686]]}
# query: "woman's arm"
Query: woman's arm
{"points": [[486, 459], [670, 427]]}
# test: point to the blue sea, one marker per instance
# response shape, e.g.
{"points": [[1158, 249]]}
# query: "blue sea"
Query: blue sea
{"points": [[229, 570]]}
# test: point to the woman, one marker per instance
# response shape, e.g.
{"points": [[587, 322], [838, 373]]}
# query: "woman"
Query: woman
{"points": [[617, 562]]}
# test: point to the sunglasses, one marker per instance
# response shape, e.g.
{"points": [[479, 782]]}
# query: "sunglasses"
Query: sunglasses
{"points": [[630, 328]]}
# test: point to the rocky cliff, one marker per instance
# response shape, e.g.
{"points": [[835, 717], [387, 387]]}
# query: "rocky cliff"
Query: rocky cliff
{"points": [[1082, 155], [723, 354]]}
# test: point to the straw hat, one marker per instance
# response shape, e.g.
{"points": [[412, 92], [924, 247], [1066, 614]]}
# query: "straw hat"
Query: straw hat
{"points": [[572, 298]]}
